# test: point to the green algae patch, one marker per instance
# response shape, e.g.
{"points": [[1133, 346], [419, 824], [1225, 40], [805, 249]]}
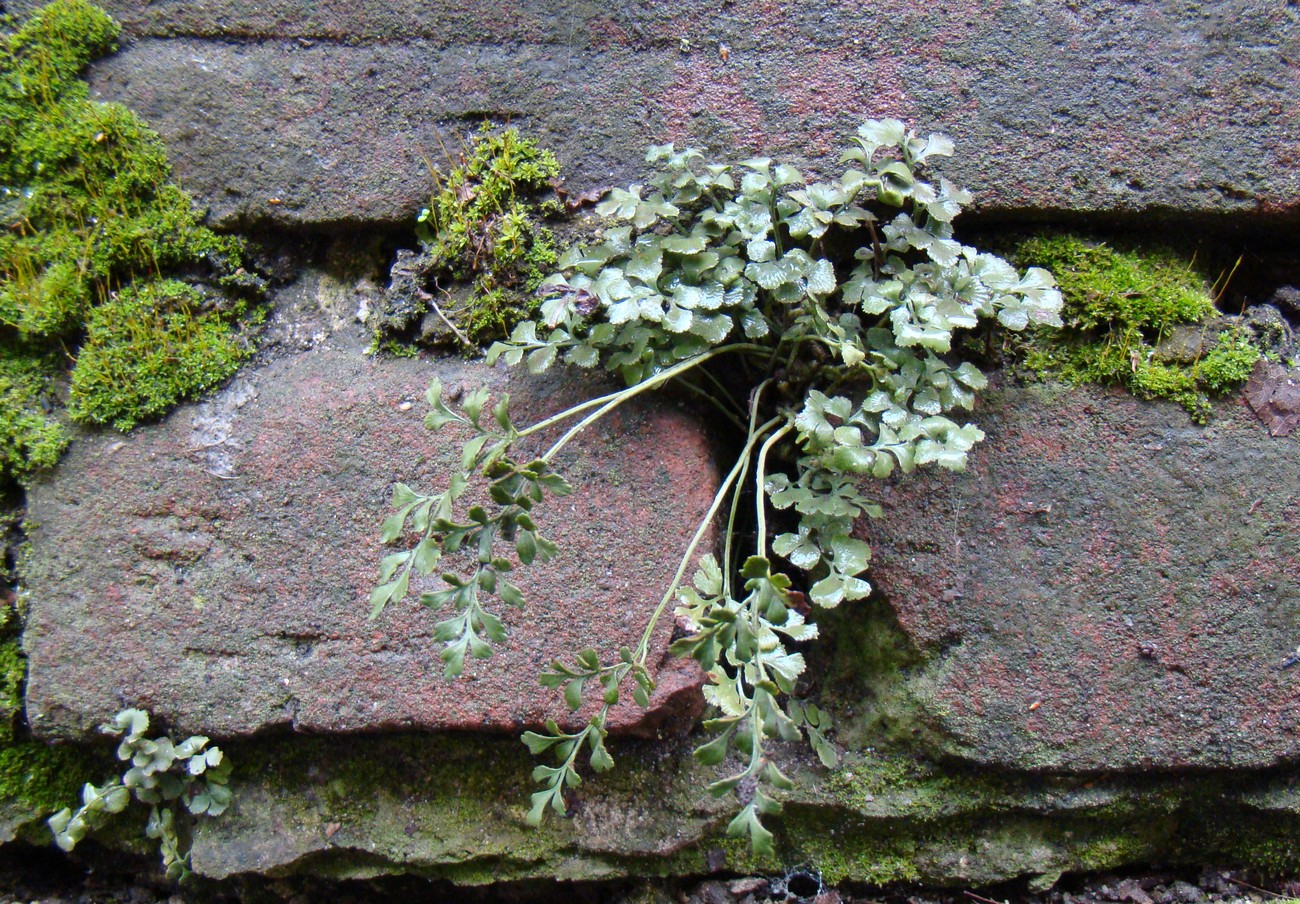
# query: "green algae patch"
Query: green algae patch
{"points": [[439, 806], [449, 806], [452, 806], [89, 210], [865, 673], [1141, 318], [1270, 847], [844, 852], [897, 785], [1112, 848]]}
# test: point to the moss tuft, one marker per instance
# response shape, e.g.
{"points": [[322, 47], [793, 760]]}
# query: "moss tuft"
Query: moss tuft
{"points": [[13, 677], [1230, 362], [30, 438], [1106, 288], [88, 207], [1122, 307], [484, 228], [147, 348], [483, 216], [1175, 382], [50, 51]]}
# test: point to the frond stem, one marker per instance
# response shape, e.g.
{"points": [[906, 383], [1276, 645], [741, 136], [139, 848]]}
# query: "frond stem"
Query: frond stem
{"points": [[613, 400], [742, 463]]}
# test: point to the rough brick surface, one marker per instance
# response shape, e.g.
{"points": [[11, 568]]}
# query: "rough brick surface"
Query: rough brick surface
{"points": [[332, 112], [1108, 587], [215, 568]]}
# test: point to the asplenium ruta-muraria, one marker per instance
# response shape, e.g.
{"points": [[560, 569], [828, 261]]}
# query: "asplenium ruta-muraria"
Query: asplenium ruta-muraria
{"points": [[162, 773], [839, 302]]}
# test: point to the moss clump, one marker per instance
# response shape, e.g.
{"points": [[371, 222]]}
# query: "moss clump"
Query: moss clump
{"points": [[483, 229], [13, 664], [88, 209], [13, 677], [37, 779], [147, 347], [1230, 362], [481, 225], [30, 438], [1108, 288], [1119, 307]]}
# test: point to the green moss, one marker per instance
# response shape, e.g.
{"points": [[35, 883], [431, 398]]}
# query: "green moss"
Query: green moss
{"points": [[1157, 380], [1230, 362], [1106, 288], [494, 313], [845, 853], [13, 669], [1120, 305], [47, 55], [481, 215], [1110, 849], [148, 348], [483, 227], [13, 676], [30, 438], [89, 207], [35, 779], [913, 788], [395, 348], [41, 779]]}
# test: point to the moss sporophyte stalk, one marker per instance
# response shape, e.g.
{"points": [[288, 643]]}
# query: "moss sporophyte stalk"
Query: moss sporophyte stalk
{"points": [[820, 318]]}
